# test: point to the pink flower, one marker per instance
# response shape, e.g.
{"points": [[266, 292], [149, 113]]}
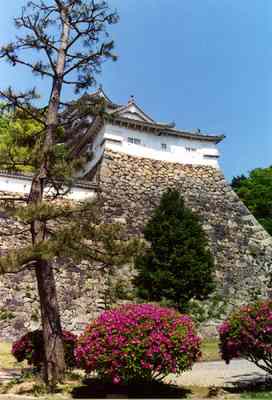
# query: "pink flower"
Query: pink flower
{"points": [[136, 340], [247, 333], [116, 380]]}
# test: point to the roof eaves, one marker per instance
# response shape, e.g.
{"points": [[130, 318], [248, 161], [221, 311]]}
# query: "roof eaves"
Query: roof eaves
{"points": [[168, 131], [194, 135]]}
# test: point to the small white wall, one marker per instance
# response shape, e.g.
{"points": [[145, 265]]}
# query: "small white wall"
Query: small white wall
{"points": [[150, 147], [13, 184], [81, 194], [97, 149]]}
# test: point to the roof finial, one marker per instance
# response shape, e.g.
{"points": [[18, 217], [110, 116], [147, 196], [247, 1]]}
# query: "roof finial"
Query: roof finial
{"points": [[131, 99]]}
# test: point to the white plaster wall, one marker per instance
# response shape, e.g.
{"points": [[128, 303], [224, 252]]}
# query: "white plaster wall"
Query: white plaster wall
{"points": [[15, 185], [150, 147], [81, 194], [23, 185], [97, 149], [134, 116]]}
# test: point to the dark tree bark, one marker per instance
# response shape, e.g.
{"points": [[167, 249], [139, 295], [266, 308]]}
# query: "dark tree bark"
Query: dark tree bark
{"points": [[54, 355], [52, 333]]}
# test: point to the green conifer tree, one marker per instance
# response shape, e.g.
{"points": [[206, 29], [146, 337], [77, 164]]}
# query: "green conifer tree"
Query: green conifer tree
{"points": [[178, 264]]}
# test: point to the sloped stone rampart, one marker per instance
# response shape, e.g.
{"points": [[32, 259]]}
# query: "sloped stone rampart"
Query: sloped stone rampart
{"points": [[132, 187]]}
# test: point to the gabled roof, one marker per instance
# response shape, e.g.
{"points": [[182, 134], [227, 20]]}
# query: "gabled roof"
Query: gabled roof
{"points": [[133, 111], [132, 116], [100, 93], [129, 110]]}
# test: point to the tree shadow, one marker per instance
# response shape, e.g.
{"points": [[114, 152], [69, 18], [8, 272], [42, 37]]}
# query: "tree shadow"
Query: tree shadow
{"points": [[250, 383], [94, 388]]}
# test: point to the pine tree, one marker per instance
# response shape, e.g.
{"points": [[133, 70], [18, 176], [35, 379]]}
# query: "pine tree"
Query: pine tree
{"points": [[70, 42], [178, 264]]}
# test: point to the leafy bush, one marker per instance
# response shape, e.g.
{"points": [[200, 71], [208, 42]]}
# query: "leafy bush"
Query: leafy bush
{"points": [[6, 315], [30, 347], [247, 333], [178, 265], [214, 307], [256, 192], [138, 343]]}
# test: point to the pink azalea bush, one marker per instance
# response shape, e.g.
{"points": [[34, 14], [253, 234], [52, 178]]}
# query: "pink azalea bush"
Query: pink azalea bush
{"points": [[247, 333], [30, 348], [138, 342]]}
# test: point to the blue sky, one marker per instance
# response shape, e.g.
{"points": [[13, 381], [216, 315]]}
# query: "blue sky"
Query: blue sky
{"points": [[202, 63]]}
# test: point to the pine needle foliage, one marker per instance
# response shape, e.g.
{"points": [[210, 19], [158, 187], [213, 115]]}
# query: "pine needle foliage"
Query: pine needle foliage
{"points": [[73, 232], [178, 265], [20, 141]]}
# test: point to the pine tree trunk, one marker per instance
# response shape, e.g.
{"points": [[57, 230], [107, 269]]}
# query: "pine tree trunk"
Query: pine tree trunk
{"points": [[54, 363]]}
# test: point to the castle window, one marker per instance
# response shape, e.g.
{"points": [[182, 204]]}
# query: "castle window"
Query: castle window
{"points": [[114, 141], [164, 147], [134, 140], [211, 156], [190, 149]]}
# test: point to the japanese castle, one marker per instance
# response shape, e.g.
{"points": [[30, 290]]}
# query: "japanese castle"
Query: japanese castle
{"points": [[129, 130], [132, 131]]}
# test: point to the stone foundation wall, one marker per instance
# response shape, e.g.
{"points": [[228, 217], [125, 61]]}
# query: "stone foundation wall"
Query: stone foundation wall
{"points": [[83, 290], [132, 187]]}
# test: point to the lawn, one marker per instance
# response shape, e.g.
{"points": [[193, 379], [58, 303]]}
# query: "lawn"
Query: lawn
{"points": [[6, 358], [257, 396], [210, 350]]}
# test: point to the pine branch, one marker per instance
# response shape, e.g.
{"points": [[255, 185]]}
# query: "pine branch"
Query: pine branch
{"points": [[17, 260], [7, 270], [78, 242], [22, 101], [18, 233], [8, 52], [13, 198], [46, 211]]}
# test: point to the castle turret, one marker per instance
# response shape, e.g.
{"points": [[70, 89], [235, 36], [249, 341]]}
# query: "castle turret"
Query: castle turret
{"points": [[129, 130]]}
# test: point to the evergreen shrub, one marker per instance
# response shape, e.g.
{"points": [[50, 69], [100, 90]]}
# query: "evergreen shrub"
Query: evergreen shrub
{"points": [[247, 333], [178, 265], [30, 348], [138, 343]]}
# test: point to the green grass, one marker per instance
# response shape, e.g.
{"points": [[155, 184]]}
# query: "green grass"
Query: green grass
{"points": [[6, 358], [257, 396], [210, 350]]}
